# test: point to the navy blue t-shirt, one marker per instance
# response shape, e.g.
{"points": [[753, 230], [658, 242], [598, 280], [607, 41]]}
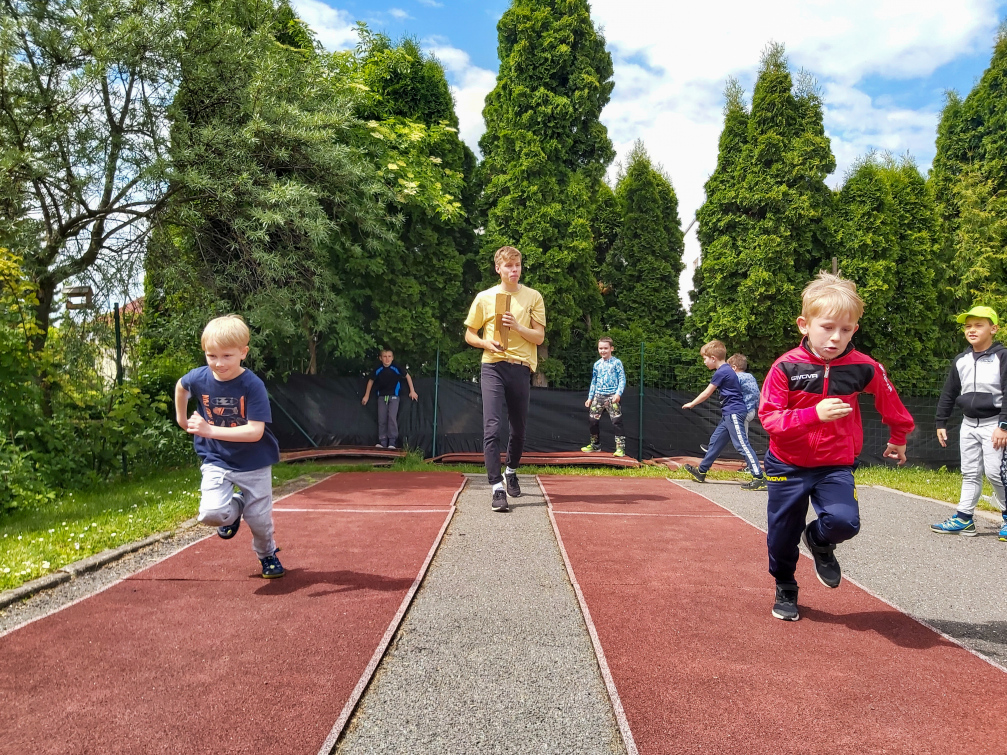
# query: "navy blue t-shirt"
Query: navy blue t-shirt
{"points": [[732, 399], [232, 403]]}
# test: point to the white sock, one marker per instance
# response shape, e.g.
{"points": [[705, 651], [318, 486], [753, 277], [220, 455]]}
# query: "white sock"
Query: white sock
{"points": [[510, 471], [497, 486]]}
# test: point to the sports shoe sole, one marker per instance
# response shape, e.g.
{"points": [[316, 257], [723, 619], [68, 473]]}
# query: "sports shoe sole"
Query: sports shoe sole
{"points": [[785, 618], [964, 533]]}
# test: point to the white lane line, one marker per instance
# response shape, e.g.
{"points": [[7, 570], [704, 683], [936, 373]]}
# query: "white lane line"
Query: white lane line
{"points": [[372, 666], [854, 582], [211, 533], [637, 513], [599, 652], [372, 511]]}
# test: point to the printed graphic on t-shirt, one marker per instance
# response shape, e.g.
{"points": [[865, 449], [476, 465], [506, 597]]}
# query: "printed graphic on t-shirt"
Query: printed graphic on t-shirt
{"points": [[225, 411]]}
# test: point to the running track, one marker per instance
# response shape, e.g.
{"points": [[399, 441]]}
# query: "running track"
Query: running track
{"points": [[198, 654], [676, 593]]}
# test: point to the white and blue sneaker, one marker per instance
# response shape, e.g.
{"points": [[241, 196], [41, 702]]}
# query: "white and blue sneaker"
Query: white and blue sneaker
{"points": [[953, 525], [1003, 531]]}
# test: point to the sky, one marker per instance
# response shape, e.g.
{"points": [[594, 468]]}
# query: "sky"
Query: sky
{"points": [[883, 67]]}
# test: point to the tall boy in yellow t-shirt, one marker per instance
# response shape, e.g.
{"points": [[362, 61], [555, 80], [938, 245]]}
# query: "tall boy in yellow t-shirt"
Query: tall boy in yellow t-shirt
{"points": [[505, 377]]}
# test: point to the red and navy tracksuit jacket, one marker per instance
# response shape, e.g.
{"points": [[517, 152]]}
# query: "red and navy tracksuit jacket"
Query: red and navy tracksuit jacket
{"points": [[811, 458]]}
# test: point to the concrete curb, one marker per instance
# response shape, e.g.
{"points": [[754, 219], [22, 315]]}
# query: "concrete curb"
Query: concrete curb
{"points": [[85, 565], [988, 515]]}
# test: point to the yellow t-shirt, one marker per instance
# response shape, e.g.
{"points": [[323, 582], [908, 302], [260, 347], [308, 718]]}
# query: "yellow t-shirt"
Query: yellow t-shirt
{"points": [[525, 305]]}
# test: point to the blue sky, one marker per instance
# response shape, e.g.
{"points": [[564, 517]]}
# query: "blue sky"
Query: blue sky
{"points": [[882, 65]]}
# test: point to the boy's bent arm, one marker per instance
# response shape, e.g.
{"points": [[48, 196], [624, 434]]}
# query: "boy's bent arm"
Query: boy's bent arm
{"points": [[248, 433], [774, 412], [181, 405], [889, 405]]}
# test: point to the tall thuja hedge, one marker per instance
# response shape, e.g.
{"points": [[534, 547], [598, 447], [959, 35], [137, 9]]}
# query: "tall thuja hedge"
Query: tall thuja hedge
{"points": [[644, 264], [771, 202], [415, 302], [969, 179], [545, 153], [885, 231]]}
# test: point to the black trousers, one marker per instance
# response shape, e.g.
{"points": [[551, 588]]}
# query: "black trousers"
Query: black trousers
{"points": [[505, 387]]}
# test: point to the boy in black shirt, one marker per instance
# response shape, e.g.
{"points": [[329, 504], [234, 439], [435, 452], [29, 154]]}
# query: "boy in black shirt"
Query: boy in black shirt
{"points": [[387, 377]]}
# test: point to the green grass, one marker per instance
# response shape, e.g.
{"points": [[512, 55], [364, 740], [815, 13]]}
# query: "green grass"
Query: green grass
{"points": [[36, 542]]}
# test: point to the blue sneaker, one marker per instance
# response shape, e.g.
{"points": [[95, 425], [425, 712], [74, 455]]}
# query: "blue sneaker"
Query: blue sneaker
{"points": [[1003, 531], [955, 526], [227, 531], [271, 566]]}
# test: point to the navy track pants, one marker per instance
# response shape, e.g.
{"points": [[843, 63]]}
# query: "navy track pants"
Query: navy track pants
{"points": [[832, 493], [731, 429]]}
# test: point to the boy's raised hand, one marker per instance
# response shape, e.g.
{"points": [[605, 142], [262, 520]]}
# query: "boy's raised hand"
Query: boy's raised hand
{"points": [[198, 426], [896, 452], [831, 409]]}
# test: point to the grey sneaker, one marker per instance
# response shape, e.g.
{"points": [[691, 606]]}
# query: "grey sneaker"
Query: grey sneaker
{"points": [[227, 531], [756, 483], [500, 501], [513, 488], [696, 474], [826, 566], [785, 607]]}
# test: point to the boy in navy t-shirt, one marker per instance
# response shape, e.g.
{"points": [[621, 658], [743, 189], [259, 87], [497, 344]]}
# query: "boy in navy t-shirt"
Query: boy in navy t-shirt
{"points": [[732, 424], [232, 439]]}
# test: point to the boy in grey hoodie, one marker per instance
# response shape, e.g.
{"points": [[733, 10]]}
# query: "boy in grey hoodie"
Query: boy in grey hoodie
{"points": [[976, 383]]}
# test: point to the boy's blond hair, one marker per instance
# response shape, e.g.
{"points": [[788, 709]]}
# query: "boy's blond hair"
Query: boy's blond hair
{"points": [[226, 331], [715, 349], [738, 362], [828, 296], [507, 253]]}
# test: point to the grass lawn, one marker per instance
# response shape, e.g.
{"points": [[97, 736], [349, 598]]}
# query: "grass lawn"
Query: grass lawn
{"points": [[35, 542]]}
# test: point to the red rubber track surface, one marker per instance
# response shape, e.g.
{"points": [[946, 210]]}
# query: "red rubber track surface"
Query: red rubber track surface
{"points": [[199, 654], [679, 594]]}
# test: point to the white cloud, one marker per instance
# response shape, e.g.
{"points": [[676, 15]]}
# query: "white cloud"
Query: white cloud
{"points": [[670, 73], [398, 14], [431, 3], [469, 84], [335, 28]]}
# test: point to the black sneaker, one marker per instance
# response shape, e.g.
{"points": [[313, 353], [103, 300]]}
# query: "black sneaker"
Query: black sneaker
{"points": [[826, 566], [500, 501], [756, 483], [785, 607], [513, 488], [271, 567], [227, 531], [696, 474]]}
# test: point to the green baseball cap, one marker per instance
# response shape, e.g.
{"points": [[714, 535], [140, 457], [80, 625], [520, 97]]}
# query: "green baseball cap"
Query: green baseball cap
{"points": [[988, 312]]}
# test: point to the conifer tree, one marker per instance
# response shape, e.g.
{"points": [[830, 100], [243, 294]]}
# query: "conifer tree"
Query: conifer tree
{"points": [[969, 182], [644, 264], [545, 152], [771, 202], [885, 231]]}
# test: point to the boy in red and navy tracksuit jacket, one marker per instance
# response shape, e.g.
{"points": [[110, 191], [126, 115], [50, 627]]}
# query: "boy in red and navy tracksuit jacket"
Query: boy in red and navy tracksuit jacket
{"points": [[809, 408]]}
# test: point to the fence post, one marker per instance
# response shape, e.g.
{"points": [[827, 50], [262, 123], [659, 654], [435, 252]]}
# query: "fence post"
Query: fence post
{"points": [[118, 372], [437, 387], [643, 347]]}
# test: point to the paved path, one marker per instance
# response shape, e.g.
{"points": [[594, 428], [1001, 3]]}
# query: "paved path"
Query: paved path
{"points": [[953, 583], [494, 656]]}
